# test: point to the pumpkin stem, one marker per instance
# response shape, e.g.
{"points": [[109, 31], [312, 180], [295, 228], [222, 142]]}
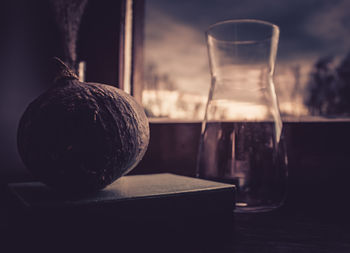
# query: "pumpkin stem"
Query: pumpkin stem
{"points": [[61, 71]]}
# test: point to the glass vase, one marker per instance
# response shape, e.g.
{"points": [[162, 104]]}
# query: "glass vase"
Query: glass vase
{"points": [[242, 135]]}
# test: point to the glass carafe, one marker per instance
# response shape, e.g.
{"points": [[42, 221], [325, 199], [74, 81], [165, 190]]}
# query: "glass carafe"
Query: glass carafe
{"points": [[242, 138]]}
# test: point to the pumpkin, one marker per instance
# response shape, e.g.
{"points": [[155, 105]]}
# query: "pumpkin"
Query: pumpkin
{"points": [[80, 137]]}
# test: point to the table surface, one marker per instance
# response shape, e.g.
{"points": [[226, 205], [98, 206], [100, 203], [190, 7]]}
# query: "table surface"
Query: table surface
{"points": [[288, 229], [283, 231]]}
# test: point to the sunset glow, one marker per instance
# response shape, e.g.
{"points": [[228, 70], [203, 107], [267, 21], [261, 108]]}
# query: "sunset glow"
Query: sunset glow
{"points": [[241, 103]]}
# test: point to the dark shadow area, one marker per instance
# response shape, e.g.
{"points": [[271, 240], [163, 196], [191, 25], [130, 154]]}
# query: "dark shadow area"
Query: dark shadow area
{"points": [[329, 88]]}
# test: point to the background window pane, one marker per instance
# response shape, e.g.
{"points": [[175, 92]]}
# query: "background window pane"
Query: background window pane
{"points": [[312, 72]]}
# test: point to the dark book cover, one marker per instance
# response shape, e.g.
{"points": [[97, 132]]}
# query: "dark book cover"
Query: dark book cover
{"points": [[154, 209]]}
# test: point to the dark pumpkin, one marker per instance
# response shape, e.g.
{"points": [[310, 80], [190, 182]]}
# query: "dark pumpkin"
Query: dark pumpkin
{"points": [[80, 137]]}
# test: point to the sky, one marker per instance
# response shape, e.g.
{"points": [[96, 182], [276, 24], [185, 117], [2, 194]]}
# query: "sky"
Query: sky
{"points": [[309, 29], [309, 26]]}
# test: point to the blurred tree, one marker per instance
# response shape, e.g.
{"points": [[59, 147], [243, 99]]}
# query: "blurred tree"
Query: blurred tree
{"points": [[296, 70], [343, 74], [154, 80], [329, 88], [163, 96], [155, 83]]}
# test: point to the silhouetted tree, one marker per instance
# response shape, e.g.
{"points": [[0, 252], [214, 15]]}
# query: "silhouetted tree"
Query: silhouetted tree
{"points": [[329, 88], [343, 74], [154, 80], [297, 83]]}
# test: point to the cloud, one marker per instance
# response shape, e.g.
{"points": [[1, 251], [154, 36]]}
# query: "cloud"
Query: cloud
{"points": [[178, 50], [331, 26], [310, 27]]}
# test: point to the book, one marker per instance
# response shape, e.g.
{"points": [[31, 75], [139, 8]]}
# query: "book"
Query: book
{"points": [[165, 206]]}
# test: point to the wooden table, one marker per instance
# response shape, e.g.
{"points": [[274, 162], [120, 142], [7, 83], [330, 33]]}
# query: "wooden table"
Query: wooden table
{"points": [[282, 231], [289, 229]]}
